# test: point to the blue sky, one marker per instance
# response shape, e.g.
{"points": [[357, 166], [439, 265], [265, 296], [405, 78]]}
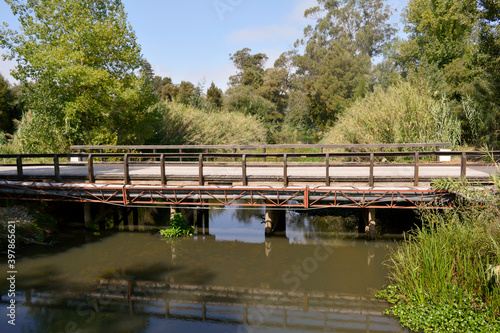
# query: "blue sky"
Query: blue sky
{"points": [[191, 40]]}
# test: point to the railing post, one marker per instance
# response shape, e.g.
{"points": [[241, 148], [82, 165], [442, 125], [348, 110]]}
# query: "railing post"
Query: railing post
{"points": [[200, 170], [234, 152], [57, 173], [327, 169], [126, 173], [162, 171], [372, 163], [463, 165], [90, 163], [244, 169], [264, 151], [416, 159], [180, 153], [285, 170], [20, 175]]}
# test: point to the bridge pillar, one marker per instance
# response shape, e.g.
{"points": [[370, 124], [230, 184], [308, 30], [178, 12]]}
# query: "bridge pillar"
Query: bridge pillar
{"points": [[369, 222], [87, 214], [188, 215], [275, 220], [202, 219]]}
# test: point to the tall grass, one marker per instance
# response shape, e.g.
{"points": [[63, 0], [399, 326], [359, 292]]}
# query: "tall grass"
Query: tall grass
{"points": [[402, 113], [187, 125], [439, 276]]}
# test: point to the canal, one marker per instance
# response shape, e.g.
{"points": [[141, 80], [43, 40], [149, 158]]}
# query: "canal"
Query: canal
{"points": [[233, 279]]}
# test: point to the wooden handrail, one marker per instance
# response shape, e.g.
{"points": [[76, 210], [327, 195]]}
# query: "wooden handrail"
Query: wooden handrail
{"points": [[264, 147], [203, 159]]}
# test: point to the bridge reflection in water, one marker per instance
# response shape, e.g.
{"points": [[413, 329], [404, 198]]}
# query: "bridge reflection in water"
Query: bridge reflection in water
{"points": [[241, 306]]}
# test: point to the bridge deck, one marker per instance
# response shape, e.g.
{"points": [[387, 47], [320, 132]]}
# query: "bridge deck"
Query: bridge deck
{"points": [[307, 180], [270, 174]]}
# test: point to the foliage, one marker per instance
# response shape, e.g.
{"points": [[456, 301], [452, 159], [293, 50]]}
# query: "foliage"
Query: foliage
{"points": [[402, 113], [250, 68], [246, 100], [336, 63], [186, 125], [177, 228], [454, 45], [9, 106], [215, 97], [442, 276], [78, 61]]}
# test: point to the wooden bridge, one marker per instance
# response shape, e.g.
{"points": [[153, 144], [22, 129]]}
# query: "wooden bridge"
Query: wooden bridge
{"points": [[285, 176]]}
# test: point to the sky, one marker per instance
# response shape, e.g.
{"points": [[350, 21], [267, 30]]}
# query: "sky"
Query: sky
{"points": [[191, 40]]}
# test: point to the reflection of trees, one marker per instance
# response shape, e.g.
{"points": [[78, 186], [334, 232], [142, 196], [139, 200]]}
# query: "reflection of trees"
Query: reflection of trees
{"points": [[321, 221], [248, 215]]}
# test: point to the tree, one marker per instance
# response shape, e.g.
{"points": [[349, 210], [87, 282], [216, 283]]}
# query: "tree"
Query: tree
{"points": [[335, 67], [185, 92], [455, 46], [7, 106], [78, 61], [250, 68], [215, 97]]}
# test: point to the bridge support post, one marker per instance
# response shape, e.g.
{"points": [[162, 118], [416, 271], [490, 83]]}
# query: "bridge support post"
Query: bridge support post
{"points": [[369, 222], [87, 214], [275, 220], [188, 215]]}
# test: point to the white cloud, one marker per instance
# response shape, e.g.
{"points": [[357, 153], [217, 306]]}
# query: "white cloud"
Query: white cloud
{"points": [[275, 32]]}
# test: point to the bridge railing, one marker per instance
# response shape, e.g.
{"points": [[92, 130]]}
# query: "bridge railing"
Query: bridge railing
{"points": [[288, 148], [162, 161]]}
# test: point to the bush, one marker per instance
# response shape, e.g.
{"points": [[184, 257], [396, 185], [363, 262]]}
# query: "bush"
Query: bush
{"points": [[403, 113], [177, 228], [186, 125], [443, 278]]}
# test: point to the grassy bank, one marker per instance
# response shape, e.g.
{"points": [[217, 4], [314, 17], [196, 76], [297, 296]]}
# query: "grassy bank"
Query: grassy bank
{"points": [[32, 225], [446, 276]]}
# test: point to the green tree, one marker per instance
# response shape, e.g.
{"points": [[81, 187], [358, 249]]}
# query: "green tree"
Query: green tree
{"points": [[185, 92], [7, 106], [215, 97], [335, 67], [454, 46], [250, 68], [81, 58]]}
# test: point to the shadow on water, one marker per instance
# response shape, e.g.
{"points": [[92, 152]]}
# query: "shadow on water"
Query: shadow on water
{"points": [[234, 279]]}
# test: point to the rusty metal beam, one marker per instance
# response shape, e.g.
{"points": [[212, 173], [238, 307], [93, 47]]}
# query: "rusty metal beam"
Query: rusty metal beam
{"points": [[284, 197]]}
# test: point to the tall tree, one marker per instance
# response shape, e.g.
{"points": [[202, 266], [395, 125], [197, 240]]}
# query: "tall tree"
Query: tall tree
{"points": [[454, 45], [250, 68], [80, 58], [7, 107], [215, 97], [336, 63]]}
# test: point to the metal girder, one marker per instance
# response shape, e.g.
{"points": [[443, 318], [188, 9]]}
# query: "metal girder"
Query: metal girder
{"points": [[296, 197]]}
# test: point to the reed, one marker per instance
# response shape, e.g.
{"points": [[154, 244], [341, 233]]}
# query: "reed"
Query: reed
{"points": [[443, 276]]}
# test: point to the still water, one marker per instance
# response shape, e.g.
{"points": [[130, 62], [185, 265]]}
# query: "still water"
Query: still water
{"points": [[232, 279]]}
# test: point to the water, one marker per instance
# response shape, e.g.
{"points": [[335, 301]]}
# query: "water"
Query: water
{"points": [[233, 280]]}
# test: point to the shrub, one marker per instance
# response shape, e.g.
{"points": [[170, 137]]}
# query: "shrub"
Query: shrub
{"points": [[403, 113], [443, 278], [187, 125], [177, 228]]}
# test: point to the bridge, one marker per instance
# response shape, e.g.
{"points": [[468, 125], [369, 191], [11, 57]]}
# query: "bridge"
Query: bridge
{"points": [[273, 176]]}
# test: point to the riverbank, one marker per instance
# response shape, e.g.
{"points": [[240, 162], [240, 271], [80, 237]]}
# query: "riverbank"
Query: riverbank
{"points": [[32, 225], [445, 277]]}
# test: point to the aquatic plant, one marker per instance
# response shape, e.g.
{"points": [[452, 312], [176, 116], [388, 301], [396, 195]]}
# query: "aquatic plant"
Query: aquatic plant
{"points": [[178, 227], [443, 277]]}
